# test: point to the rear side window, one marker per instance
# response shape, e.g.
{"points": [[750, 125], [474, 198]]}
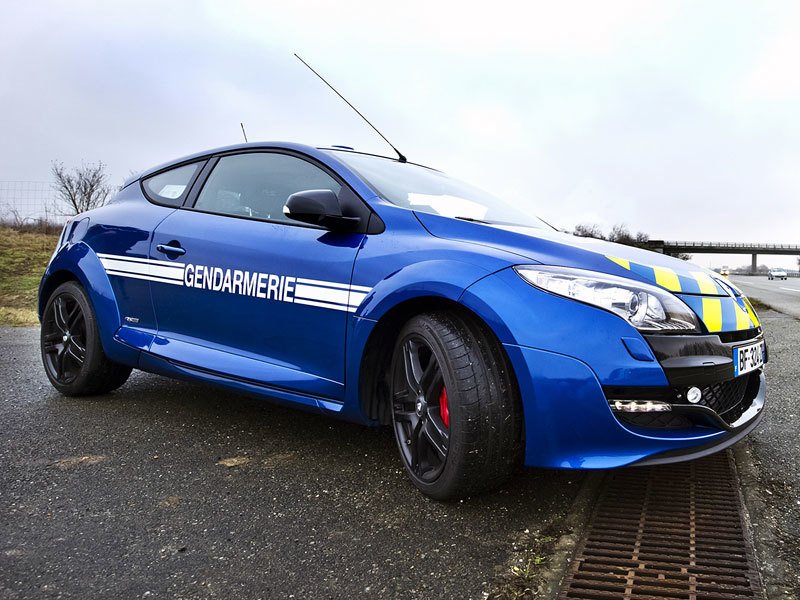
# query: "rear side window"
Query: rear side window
{"points": [[257, 185], [170, 187]]}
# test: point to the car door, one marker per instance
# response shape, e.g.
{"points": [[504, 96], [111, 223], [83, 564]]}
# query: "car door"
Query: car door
{"points": [[263, 298], [122, 239]]}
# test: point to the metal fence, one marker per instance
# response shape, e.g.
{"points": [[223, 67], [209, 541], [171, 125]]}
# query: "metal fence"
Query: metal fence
{"points": [[25, 203]]}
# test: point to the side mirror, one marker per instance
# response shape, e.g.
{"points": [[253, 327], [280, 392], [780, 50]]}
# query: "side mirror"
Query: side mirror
{"points": [[319, 207]]}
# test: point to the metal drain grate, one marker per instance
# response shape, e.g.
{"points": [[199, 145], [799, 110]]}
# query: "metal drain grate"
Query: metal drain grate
{"points": [[673, 531]]}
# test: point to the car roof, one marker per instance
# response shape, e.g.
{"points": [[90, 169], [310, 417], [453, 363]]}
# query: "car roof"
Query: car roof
{"points": [[319, 152], [304, 148]]}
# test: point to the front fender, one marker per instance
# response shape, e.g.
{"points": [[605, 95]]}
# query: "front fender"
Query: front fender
{"points": [[428, 282], [442, 278], [79, 262]]}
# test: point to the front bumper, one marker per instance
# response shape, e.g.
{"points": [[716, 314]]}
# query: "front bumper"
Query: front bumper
{"points": [[568, 357], [570, 424]]}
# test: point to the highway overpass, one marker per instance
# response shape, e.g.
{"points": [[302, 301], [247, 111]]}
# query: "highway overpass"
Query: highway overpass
{"points": [[754, 249]]}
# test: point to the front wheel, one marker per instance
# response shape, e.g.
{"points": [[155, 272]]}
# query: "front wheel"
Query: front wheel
{"points": [[456, 413], [73, 356]]}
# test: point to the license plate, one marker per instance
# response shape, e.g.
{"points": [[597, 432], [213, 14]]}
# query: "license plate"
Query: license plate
{"points": [[748, 358]]}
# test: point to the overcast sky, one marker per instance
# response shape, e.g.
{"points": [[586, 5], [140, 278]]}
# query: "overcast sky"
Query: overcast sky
{"points": [[679, 119]]}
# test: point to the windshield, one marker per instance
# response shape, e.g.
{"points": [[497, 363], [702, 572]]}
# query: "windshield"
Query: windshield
{"points": [[427, 190]]}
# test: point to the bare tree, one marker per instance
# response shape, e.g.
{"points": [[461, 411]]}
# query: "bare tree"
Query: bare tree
{"points": [[81, 189], [619, 234], [587, 230]]}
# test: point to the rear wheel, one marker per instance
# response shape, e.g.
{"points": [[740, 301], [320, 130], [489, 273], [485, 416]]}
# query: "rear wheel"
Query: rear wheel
{"points": [[73, 356], [455, 411]]}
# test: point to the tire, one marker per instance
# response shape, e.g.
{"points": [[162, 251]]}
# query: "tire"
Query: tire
{"points": [[72, 354], [456, 411]]}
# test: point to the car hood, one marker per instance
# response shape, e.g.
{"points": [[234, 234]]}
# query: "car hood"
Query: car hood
{"points": [[718, 303]]}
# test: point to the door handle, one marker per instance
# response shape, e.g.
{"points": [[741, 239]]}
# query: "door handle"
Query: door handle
{"points": [[169, 249]]}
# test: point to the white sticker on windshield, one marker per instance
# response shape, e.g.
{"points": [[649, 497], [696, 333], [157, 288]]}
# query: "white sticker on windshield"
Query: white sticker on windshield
{"points": [[171, 190], [449, 206]]}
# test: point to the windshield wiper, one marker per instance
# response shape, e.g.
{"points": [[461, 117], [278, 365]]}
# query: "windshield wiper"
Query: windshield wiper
{"points": [[471, 220]]}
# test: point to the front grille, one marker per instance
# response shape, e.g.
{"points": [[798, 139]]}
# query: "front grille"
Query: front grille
{"points": [[730, 337], [724, 397]]}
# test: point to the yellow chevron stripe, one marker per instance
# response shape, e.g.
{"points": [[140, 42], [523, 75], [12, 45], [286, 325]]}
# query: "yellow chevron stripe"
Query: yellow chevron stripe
{"points": [[742, 318], [667, 278], [621, 262], [707, 285], [712, 314], [752, 312]]}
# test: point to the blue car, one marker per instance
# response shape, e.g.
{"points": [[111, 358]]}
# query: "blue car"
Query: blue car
{"points": [[387, 293]]}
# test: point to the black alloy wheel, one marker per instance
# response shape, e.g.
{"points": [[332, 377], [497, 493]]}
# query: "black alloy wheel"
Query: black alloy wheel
{"points": [[73, 356], [420, 409], [456, 411], [64, 338]]}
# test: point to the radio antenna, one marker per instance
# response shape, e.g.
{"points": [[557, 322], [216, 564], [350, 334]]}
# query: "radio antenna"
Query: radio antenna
{"points": [[244, 133], [400, 156]]}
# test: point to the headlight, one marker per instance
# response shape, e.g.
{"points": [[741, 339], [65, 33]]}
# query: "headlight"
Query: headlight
{"points": [[646, 307]]}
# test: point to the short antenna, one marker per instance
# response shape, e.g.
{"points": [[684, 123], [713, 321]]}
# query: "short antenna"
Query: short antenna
{"points": [[400, 156], [244, 133]]}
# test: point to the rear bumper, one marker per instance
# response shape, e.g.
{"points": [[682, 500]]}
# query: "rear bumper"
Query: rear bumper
{"points": [[569, 423]]}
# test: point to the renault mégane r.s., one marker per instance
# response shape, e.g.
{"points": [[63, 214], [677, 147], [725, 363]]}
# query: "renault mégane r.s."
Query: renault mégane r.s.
{"points": [[385, 292]]}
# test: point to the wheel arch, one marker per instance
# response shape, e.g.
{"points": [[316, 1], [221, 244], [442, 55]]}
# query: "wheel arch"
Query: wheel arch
{"points": [[78, 262], [50, 282], [377, 355]]}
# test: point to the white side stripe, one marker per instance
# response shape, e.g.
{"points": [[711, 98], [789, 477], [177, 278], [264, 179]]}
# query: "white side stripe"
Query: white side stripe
{"points": [[145, 277], [356, 298], [323, 294], [310, 292], [344, 286], [150, 261], [171, 272], [325, 305]]}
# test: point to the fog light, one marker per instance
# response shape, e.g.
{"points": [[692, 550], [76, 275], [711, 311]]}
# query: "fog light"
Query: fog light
{"points": [[693, 395], [640, 406]]}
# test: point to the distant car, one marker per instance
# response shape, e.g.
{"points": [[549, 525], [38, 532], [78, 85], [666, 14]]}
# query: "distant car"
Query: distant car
{"points": [[388, 293], [777, 274], [724, 272]]}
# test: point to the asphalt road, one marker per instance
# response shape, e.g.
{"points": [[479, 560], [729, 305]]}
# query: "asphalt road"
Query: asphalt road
{"points": [[783, 296], [169, 489]]}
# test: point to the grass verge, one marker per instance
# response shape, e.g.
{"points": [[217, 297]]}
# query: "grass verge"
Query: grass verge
{"points": [[23, 259], [758, 304], [525, 579]]}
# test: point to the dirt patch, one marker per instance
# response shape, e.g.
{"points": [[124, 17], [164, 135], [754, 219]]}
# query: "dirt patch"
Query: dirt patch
{"points": [[72, 462], [280, 459], [170, 502], [233, 461]]}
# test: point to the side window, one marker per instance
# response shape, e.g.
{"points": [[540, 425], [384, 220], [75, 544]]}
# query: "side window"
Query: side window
{"points": [[258, 185], [170, 187]]}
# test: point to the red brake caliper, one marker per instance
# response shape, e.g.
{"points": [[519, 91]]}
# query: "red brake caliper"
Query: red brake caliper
{"points": [[444, 409]]}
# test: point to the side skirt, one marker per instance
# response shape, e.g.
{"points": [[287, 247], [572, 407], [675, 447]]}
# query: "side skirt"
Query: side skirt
{"points": [[160, 366]]}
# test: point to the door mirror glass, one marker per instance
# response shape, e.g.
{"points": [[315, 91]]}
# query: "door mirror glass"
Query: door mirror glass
{"points": [[319, 207]]}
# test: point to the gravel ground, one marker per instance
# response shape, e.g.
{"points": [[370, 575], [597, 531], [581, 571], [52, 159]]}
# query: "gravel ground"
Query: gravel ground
{"points": [[168, 489], [769, 462]]}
